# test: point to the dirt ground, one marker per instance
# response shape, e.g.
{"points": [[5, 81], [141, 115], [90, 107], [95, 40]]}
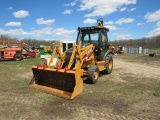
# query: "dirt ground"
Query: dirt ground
{"points": [[126, 94], [99, 105]]}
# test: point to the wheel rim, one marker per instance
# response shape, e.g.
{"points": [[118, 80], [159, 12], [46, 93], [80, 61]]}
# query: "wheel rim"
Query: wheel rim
{"points": [[96, 75], [110, 63]]}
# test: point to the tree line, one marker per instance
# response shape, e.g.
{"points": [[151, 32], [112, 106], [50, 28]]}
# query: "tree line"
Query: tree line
{"points": [[151, 42], [37, 43]]}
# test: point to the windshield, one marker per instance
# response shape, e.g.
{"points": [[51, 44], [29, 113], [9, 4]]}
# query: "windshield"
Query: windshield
{"points": [[89, 37]]}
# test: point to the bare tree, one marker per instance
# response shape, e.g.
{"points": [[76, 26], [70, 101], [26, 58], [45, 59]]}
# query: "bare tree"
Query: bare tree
{"points": [[152, 42]]}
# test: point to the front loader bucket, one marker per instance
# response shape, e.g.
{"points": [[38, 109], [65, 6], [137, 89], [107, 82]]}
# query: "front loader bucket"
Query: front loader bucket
{"points": [[60, 83]]}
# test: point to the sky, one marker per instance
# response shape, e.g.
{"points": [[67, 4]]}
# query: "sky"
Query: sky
{"points": [[59, 19]]}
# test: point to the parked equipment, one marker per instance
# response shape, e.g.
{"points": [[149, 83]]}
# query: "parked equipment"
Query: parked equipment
{"points": [[89, 57], [119, 50], [44, 50], [28, 51], [36, 49], [11, 50], [67, 45]]}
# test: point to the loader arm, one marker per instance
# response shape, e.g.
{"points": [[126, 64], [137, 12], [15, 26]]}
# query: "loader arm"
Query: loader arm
{"points": [[61, 55], [80, 53]]}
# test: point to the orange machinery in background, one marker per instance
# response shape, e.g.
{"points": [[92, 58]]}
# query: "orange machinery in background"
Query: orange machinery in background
{"points": [[11, 50]]}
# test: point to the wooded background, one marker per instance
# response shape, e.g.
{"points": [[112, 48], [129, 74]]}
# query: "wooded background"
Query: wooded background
{"points": [[152, 42]]}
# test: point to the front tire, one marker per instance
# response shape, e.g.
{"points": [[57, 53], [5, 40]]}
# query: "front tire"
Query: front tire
{"points": [[109, 64], [92, 74]]}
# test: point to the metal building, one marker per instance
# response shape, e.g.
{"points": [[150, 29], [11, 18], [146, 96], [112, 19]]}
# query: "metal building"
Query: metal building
{"points": [[145, 51], [133, 49]]}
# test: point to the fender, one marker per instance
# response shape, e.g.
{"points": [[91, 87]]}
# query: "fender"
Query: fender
{"points": [[108, 52]]}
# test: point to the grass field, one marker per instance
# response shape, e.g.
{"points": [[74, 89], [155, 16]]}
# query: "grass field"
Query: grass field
{"points": [[146, 60], [141, 58], [16, 99], [156, 50], [122, 93]]}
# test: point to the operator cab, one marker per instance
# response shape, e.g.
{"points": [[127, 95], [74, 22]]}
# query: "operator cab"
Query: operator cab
{"points": [[96, 35]]}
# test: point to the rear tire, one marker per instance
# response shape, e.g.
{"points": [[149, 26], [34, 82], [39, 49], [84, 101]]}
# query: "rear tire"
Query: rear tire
{"points": [[92, 74], [17, 57], [109, 64]]}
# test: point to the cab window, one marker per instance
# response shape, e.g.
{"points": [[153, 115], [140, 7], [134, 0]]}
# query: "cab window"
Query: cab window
{"points": [[104, 37]]}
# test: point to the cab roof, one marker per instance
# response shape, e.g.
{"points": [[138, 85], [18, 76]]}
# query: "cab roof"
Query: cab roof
{"points": [[92, 28]]}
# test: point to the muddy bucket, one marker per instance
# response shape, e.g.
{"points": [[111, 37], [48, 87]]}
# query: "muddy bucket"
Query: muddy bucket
{"points": [[60, 83]]}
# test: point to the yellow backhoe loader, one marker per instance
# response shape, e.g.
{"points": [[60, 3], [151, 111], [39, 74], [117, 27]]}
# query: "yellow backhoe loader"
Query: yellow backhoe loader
{"points": [[89, 57]]}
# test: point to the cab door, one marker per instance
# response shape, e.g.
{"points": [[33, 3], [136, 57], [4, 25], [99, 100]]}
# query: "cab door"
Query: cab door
{"points": [[103, 39]]}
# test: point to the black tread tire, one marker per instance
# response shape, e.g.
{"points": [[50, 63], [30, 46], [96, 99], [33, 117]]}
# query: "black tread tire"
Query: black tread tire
{"points": [[91, 74], [17, 57], [109, 64]]}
